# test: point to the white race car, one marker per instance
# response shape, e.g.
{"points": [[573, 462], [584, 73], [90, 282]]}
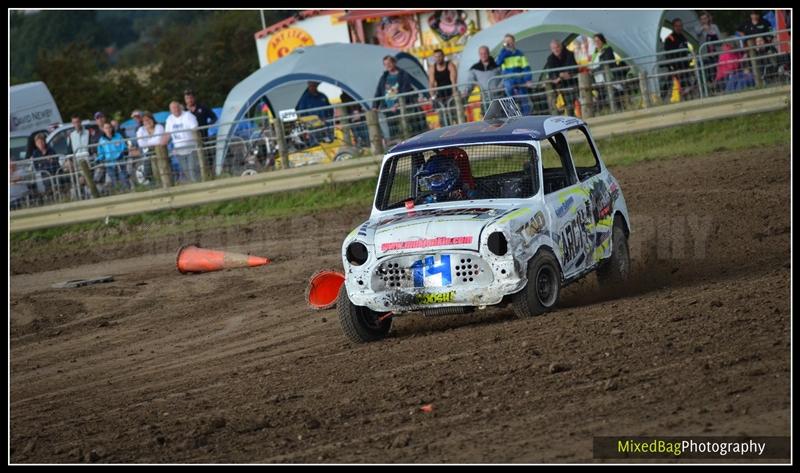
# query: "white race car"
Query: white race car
{"points": [[510, 209]]}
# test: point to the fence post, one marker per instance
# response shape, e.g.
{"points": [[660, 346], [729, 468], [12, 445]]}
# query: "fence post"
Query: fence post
{"points": [[644, 89], [459, 105], [403, 118], [754, 66], [585, 90], [700, 64], [283, 150], [550, 95], [201, 157], [154, 169], [87, 175], [374, 129], [164, 166], [612, 101]]}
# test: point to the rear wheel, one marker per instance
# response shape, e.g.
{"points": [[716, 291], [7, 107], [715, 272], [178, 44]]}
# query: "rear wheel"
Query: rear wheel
{"points": [[360, 324], [616, 269], [543, 288]]}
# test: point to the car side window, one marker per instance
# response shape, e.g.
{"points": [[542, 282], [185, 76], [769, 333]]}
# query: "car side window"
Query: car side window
{"points": [[556, 165], [583, 154]]}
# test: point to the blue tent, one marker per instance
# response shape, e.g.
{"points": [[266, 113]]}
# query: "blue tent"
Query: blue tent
{"points": [[354, 68]]}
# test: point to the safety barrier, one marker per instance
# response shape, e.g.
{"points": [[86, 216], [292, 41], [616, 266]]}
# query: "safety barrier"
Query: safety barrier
{"points": [[761, 100]]}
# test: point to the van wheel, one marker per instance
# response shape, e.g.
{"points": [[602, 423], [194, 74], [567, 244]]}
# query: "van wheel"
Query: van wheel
{"points": [[544, 285], [360, 324], [616, 268]]}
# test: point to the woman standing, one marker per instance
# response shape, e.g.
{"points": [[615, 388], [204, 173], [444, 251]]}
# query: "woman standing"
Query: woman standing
{"points": [[147, 136]]}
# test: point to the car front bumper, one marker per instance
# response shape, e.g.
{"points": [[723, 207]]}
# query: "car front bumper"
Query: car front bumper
{"points": [[421, 281]]}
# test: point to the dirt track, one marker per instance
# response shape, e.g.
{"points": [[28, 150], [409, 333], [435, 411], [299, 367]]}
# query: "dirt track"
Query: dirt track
{"points": [[232, 366]]}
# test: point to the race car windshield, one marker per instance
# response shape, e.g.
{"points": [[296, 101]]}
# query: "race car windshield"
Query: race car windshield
{"points": [[471, 172]]}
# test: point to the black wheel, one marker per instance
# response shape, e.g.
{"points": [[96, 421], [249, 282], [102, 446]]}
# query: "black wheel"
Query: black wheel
{"points": [[344, 155], [616, 268], [360, 324], [544, 285]]}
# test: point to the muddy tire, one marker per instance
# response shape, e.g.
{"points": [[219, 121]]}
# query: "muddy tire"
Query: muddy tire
{"points": [[360, 324], [616, 269], [544, 285]]}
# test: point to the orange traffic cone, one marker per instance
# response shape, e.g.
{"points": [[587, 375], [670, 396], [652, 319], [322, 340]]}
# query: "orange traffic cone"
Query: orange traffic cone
{"points": [[192, 259], [323, 289]]}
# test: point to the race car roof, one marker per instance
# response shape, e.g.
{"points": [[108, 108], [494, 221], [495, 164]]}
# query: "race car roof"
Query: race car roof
{"points": [[525, 128]]}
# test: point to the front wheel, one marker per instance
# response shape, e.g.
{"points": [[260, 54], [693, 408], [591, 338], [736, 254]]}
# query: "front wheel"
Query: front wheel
{"points": [[544, 285], [360, 324], [616, 269]]}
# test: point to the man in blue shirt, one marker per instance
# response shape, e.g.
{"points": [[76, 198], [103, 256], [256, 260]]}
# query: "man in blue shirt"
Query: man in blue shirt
{"points": [[512, 61], [313, 98]]}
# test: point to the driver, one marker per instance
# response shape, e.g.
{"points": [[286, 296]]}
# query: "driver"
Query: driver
{"points": [[439, 180]]}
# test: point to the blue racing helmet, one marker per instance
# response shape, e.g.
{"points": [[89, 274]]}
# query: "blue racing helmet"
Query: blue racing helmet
{"points": [[438, 177]]}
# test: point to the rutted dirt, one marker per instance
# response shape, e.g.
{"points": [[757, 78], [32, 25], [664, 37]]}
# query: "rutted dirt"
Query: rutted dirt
{"points": [[233, 367]]}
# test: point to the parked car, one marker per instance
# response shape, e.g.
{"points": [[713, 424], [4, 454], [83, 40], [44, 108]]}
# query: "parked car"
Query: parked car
{"points": [[507, 210]]}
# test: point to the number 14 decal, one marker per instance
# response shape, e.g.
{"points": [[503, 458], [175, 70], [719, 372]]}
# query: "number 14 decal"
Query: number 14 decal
{"points": [[430, 267]]}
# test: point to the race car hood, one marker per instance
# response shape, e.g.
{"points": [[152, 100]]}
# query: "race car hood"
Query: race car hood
{"points": [[433, 230]]}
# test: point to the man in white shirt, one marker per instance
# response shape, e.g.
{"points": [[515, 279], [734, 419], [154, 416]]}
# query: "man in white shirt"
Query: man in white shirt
{"points": [[79, 139], [181, 127]]}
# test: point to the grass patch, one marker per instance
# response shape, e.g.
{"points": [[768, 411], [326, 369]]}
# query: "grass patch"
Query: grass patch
{"points": [[727, 134], [756, 130]]}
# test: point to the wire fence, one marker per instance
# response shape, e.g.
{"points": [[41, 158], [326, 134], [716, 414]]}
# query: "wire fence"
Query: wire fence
{"points": [[353, 129]]}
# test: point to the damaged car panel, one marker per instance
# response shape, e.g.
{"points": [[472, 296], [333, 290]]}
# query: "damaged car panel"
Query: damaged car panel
{"points": [[474, 215]]}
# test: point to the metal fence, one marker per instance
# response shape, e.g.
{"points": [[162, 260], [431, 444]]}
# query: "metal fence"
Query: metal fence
{"points": [[350, 130]]}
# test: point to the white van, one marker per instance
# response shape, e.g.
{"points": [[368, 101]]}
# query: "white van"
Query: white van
{"points": [[32, 108]]}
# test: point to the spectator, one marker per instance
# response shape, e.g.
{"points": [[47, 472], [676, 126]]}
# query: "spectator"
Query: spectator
{"points": [[148, 136], [604, 56], [756, 25], [442, 73], [766, 60], [79, 139], [512, 61], [730, 71], [564, 80], [18, 191], [393, 81], [356, 118], [44, 158], [134, 150], [205, 118], [677, 42], [117, 128], [182, 126], [78, 146], [706, 32], [138, 117], [95, 134], [483, 71], [313, 98], [111, 153]]}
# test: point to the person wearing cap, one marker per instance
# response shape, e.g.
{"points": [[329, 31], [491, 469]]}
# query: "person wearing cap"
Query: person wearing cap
{"points": [[95, 134], [313, 98]]}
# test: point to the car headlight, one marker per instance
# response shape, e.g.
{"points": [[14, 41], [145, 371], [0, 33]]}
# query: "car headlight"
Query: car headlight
{"points": [[356, 253], [497, 243]]}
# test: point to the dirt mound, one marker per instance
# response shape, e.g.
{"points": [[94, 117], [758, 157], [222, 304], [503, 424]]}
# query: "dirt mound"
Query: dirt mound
{"points": [[233, 367]]}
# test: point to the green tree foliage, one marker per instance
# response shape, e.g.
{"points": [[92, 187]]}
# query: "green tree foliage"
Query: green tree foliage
{"points": [[207, 51]]}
